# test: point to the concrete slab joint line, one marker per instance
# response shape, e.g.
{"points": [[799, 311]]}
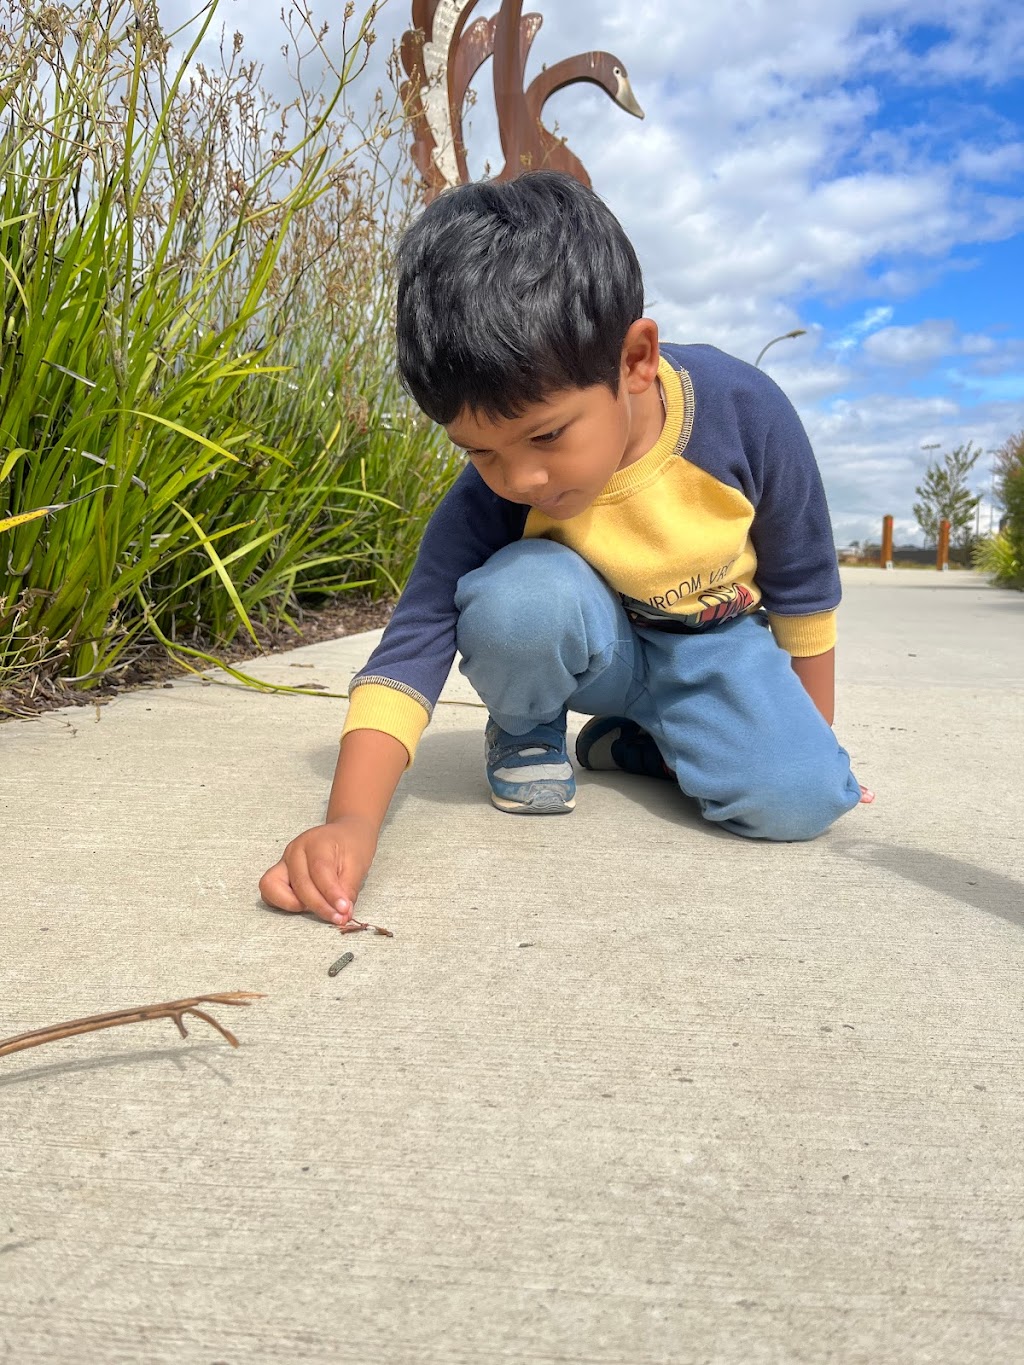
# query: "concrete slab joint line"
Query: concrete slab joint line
{"points": [[620, 1089]]}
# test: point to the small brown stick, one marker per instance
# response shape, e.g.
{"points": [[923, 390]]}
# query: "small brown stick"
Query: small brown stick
{"points": [[171, 1009], [356, 926]]}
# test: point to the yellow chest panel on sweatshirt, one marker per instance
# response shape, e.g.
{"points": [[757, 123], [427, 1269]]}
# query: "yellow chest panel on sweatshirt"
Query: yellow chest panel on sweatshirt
{"points": [[667, 536]]}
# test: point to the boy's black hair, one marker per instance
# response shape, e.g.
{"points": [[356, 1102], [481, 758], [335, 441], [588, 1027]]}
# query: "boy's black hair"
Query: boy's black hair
{"points": [[510, 292]]}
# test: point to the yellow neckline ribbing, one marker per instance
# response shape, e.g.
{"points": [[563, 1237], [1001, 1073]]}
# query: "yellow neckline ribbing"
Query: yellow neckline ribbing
{"points": [[672, 442]]}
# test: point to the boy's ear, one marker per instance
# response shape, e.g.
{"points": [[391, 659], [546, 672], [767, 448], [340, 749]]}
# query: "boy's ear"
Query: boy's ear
{"points": [[640, 355]]}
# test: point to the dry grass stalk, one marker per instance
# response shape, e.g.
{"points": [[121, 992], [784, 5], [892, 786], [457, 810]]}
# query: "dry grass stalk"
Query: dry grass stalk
{"points": [[171, 1009], [357, 926]]}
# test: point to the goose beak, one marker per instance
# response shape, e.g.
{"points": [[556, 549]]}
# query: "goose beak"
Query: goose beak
{"points": [[625, 98]]}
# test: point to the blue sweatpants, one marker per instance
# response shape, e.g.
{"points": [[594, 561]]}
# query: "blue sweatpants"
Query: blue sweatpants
{"points": [[541, 633]]}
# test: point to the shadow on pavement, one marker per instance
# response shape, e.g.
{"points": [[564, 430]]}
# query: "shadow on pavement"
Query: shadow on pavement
{"points": [[954, 877], [177, 1056]]}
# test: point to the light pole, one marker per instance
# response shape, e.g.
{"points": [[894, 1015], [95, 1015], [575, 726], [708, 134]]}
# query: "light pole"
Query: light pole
{"points": [[798, 332]]}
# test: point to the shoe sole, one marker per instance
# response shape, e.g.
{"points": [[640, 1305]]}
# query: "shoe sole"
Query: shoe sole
{"points": [[545, 803]]}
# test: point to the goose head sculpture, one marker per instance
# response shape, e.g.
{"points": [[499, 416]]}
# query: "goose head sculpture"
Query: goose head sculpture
{"points": [[596, 68], [441, 56]]}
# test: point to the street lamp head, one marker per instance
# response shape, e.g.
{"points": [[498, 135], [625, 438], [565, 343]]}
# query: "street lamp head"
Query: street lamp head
{"points": [[796, 332]]}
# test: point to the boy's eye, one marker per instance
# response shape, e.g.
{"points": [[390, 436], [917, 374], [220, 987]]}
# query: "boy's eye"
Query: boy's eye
{"points": [[545, 438]]}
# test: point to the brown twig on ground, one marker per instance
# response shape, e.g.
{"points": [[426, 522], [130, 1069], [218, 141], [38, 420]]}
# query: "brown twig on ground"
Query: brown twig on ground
{"points": [[171, 1009], [355, 926]]}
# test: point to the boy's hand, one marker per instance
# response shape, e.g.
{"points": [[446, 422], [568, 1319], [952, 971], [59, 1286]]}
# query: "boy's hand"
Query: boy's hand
{"points": [[323, 869]]}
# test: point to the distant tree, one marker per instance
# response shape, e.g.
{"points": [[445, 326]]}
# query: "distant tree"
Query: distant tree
{"points": [[945, 496], [1008, 465]]}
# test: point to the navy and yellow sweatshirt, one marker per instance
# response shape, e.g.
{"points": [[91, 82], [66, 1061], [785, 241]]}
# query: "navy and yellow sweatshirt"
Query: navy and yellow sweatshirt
{"points": [[725, 514]]}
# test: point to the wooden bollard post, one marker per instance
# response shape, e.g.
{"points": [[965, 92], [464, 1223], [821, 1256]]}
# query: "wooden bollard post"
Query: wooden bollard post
{"points": [[942, 554], [886, 556]]}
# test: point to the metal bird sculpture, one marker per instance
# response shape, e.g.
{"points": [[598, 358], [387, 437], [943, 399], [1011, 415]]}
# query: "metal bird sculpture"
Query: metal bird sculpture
{"points": [[442, 54]]}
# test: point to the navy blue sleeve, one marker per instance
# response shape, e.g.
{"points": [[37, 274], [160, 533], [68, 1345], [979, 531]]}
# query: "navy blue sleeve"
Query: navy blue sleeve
{"points": [[468, 526], [797, 567], [747, 433]]}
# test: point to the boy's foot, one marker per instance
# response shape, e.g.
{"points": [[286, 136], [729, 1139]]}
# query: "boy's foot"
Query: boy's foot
{"points": [[615, 742], [529, 774]]}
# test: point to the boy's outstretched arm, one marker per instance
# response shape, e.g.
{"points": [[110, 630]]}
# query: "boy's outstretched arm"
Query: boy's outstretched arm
{"points": [[323, 869], [818, 675]]}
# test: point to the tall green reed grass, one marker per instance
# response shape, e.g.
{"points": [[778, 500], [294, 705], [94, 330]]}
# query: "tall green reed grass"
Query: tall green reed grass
{"points": [[996, 555], [200, 423], [1002, 555]]}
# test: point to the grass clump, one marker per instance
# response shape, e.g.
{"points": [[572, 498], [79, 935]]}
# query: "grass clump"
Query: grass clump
{"points": [[200, 421], [994, 555], [1002, 555]]}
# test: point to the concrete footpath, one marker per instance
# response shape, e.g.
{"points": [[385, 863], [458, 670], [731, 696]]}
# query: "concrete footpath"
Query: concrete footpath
{"points": [[622, 1088]]}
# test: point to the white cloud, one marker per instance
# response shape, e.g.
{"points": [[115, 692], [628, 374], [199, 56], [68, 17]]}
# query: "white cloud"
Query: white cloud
{"points": [[924, 342], [999, 163], [911, 345], [976, 343], [849, 338]]}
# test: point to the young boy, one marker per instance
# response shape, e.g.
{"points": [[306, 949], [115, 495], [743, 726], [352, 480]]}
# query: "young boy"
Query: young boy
{"points": [[640, 535]]}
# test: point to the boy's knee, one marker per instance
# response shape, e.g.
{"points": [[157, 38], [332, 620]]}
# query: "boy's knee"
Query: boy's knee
{"points": [[529, 584], [520, 569], [793, 806]]}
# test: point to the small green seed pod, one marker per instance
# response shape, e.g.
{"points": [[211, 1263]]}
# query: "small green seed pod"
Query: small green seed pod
{"points": [[342, 961]]}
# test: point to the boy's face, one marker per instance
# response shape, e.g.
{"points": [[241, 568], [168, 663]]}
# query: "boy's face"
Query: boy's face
{"points": [[558, 455]]}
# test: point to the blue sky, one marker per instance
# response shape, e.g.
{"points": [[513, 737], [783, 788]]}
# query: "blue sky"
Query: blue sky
{"points": [[852, 168]]}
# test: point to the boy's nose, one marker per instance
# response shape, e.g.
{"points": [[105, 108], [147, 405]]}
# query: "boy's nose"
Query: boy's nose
{"points": [[526, 485]]}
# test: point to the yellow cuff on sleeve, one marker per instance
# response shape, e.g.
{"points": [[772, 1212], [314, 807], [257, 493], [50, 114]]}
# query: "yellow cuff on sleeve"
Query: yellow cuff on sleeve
{"points": [[804, 636], [375, 706]]}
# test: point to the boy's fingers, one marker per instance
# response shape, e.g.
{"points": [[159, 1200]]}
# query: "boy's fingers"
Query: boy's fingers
{"points": [[306, 890], [276, 889], [328, 880]]}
